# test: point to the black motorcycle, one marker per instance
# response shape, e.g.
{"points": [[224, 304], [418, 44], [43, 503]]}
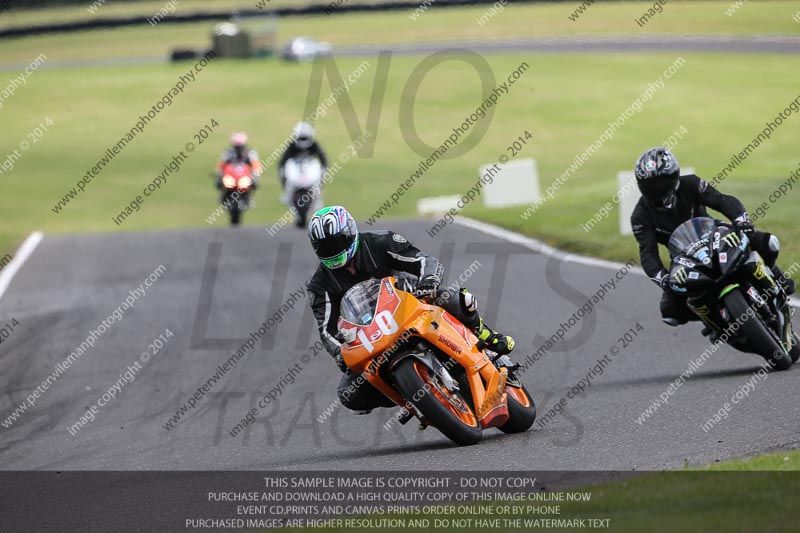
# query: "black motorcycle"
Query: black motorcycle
{"points": [[730, 288]]}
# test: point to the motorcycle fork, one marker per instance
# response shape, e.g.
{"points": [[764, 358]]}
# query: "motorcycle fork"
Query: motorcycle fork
{"points": [[775, 310], [488, 389], [708, 311], [487, 385], [763, 279]]}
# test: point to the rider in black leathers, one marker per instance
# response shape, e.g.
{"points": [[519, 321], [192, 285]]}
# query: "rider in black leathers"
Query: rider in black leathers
{"points": [[668, 200], [349, 257], [303, 143]]}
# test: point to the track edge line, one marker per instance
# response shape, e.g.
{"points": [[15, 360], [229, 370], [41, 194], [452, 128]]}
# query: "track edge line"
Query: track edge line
{"points": [[23, 253]]}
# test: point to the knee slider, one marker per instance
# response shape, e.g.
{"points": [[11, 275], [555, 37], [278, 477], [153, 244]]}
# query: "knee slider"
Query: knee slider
{"points": [[468, 301], [774, 244]]}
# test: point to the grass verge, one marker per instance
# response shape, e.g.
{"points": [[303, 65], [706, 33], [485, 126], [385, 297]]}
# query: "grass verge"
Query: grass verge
{"points": [[748, 495], [719, 99]]}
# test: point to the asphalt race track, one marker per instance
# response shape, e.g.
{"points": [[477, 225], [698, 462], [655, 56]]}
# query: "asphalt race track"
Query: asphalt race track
{"points": [[220, 285], [784, 44], [658, 43]]}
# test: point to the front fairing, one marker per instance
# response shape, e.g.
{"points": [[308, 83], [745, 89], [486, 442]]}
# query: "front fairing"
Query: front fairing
{"points": [[704, 252], [731, 249], [689, 275]]}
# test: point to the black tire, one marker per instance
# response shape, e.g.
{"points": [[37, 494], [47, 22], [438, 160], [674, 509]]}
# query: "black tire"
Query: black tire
{"points": [[795, 351], [520, 417], [761, 339], [411, 377], [301, 207], [236, 215]]}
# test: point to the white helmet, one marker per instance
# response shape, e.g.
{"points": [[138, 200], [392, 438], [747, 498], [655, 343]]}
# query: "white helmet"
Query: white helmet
{"points": [[303, 135]]}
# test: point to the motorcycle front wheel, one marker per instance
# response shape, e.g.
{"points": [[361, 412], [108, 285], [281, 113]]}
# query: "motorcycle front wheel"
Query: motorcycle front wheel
{"points": [[302, 203], [763, 341], [521, 410], [444, 409], [795, 351], [236, 215]]}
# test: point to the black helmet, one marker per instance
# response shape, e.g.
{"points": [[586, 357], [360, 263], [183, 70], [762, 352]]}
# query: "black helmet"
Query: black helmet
{"points": [[658, 175]]}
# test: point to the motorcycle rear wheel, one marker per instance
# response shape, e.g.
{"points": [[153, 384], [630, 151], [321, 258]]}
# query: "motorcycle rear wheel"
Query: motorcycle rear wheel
{"points": [[445, 410], [761, 339]]}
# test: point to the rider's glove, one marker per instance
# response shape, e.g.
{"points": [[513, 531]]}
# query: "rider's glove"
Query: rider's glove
{"points": [[662, 280], [427, 286], [744, 224], [337, 357], [339, 360]]}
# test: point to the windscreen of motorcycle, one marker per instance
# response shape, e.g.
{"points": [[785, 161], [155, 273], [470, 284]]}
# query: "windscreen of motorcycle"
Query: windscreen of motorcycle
{"points": [[690, 232], [360, 302]]}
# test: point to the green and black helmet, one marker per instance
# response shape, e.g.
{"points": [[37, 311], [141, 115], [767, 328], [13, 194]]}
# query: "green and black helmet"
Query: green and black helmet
{"points": [[334, 236]]}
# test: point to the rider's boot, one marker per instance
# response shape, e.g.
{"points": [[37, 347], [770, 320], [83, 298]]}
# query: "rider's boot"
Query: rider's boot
{"points": [[497, 342], [787, 284], [489, 338]]}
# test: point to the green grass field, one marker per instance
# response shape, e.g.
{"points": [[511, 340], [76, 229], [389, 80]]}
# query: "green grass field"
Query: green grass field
{"points": [[755, 494], [748, 495], [723, 100], [783, 461], [751, 494], [719, 99]]}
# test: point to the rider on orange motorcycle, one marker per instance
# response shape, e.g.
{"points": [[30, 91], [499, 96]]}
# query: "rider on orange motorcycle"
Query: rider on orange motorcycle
{"points": [[348, 257]]}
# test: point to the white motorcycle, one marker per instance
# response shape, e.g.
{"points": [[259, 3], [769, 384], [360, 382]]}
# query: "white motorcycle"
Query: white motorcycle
{"points": [[303, 190]]}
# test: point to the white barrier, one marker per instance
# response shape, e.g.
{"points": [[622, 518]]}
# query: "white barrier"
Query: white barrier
{"points": [[437, 205], [517, 183]]}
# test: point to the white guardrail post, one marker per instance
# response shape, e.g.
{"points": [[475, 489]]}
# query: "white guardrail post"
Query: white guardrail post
{"points": [[517, 183]]}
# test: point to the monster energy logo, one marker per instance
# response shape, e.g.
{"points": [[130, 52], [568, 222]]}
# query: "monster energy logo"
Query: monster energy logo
{"points": [[761, 273], [732, 239], [703, 312], [680, 276]]}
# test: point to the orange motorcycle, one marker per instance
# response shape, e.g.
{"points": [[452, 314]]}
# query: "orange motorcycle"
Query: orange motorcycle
{"points": [[426, 361]]}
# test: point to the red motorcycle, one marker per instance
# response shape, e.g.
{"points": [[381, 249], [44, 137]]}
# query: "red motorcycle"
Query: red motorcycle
{"points": [[237, 184]]}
